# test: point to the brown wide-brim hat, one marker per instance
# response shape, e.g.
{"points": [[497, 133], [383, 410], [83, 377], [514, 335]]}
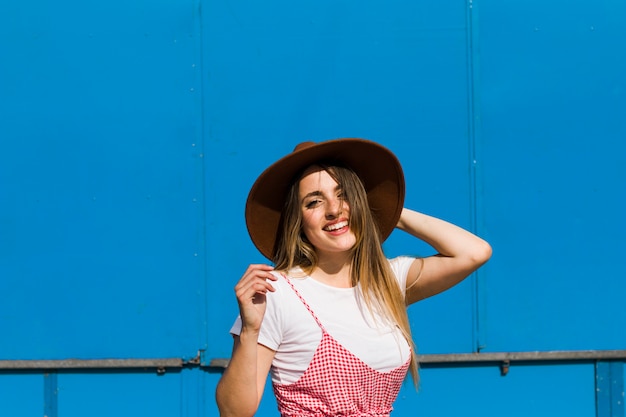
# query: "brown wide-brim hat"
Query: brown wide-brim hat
{"points": [[377, 167]]}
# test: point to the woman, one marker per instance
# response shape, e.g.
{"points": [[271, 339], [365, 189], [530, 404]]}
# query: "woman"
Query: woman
{"points": [[329, 319]]}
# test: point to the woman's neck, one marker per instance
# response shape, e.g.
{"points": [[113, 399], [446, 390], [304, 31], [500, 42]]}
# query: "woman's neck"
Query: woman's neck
{"points": [[333, 271]]}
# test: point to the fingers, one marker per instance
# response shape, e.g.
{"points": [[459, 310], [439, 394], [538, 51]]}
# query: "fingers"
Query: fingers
{"points": [[256, 280], [250, 291]]}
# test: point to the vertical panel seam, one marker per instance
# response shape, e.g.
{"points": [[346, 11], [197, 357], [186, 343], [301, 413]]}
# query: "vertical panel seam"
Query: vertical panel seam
{"points": [[473, 121], [200, 132]]}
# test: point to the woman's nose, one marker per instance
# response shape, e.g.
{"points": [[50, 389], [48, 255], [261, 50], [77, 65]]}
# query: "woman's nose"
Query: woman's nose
{"points": [[335, 207]]}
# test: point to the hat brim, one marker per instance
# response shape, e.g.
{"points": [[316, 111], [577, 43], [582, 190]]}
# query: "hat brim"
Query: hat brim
{"points": [[379, 170]]}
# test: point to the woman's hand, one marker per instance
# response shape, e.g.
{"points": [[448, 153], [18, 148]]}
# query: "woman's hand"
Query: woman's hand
{"points": [[250, 291]]}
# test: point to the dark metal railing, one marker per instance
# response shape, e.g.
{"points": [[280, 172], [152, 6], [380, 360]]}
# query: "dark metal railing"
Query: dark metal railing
{"points": [[504, 359]]}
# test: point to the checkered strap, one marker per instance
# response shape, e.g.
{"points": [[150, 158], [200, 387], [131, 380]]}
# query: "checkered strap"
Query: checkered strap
{"points": [[319, 323]]}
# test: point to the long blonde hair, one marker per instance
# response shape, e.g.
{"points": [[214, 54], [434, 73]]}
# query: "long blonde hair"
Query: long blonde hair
{"points": [[370, 267]]}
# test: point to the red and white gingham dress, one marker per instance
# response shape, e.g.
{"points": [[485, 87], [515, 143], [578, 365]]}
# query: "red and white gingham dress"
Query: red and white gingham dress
{"points": [[337, 383]]}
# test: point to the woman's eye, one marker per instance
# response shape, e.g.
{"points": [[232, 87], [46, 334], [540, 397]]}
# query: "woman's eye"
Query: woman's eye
{"points": [[312, 204]]}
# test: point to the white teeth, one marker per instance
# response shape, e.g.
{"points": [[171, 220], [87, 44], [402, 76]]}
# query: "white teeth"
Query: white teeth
{"points": [[336, 226]]}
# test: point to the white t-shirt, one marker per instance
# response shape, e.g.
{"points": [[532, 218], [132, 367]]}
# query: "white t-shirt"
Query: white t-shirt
{"points": [[289, 328]]}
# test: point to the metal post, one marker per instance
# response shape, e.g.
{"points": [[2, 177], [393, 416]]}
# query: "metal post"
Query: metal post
{"points": [[609, 389], [50, 389]]}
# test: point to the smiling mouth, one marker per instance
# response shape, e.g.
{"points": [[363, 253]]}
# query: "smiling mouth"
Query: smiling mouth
{"points": [[336, 226]]}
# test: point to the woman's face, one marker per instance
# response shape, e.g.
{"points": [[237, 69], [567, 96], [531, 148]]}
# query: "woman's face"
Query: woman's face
{"points": [[325, 214]]}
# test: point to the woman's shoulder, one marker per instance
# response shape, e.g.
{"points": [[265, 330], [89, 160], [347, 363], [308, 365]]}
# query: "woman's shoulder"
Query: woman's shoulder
{"points": [[285, 287], [286, 306], [280, 304], [280, 285], [401, 262], [400, 266]]}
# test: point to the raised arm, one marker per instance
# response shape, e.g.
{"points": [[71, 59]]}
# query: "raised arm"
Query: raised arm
{"points": [[240, 389], [459, 254]]}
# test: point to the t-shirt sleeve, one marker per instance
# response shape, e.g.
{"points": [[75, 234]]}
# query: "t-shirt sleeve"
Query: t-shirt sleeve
{"points": [[270, 334], [400, 267]]}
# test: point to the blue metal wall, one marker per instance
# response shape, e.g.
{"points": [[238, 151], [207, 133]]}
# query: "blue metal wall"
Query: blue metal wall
{"points": [[130, 133]]}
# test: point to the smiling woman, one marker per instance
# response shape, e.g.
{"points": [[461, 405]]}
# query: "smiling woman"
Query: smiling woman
{"points": [[325, 213], [329, 319]]}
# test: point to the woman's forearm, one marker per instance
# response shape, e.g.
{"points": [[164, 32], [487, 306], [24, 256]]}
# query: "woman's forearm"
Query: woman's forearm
{"points": [[449, 240], [238, 393], [459, 254]]}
